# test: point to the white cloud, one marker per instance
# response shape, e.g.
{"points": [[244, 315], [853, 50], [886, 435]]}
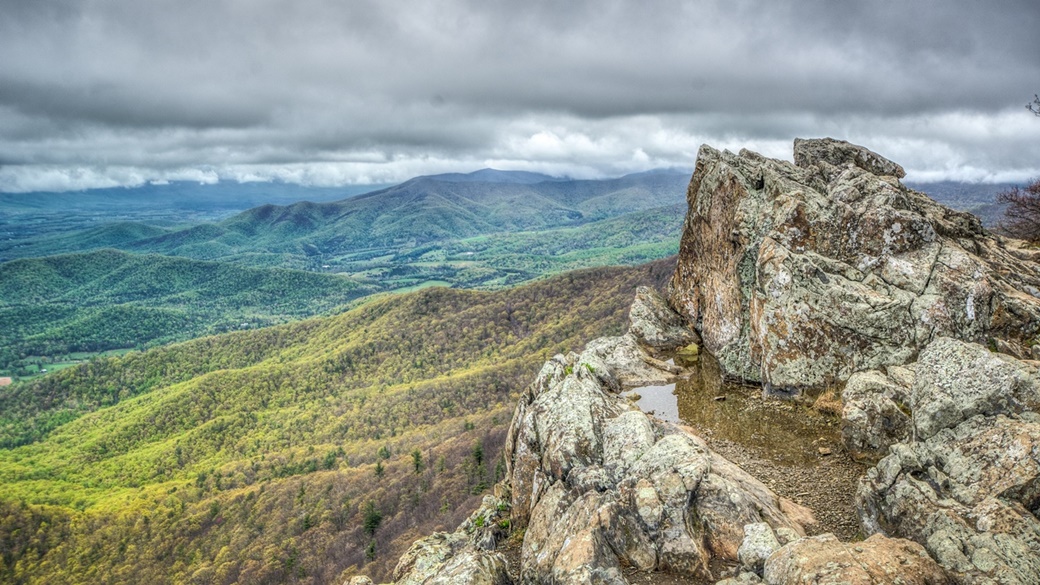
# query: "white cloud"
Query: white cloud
{"points": [[325, 92]]}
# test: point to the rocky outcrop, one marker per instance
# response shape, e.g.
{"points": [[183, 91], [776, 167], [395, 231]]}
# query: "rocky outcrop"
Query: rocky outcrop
{"points": [[803, 275], [800, 275], [600, 485], [464, 557], [825, 560], [968, 488]]}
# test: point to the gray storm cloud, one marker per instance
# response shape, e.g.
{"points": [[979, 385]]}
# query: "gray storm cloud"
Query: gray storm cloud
{"points": [[100, 93]]}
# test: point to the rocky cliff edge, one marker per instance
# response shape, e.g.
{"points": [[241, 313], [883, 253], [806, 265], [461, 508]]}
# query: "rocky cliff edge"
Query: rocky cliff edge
{"points": [[798, 276]]}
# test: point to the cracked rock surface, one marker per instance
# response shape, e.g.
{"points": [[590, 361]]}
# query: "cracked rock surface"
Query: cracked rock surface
{"points": [[798, 275], [599, 485], [968, 489]]}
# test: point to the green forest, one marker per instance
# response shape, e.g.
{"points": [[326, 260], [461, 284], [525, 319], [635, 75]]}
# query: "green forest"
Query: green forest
{"points": [[57, 306], [298, 453]]}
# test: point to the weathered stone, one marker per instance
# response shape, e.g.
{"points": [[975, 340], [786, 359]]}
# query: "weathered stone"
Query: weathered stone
{"points": [[626, 438], [824, 560], [956, 381], [484, 526], [629, 364], [758, 544], [426, 557], [786, 535], [745, 578], [359, 580], [875, 414], [969, 494], [808, 153], [801, 275], [448, 559], [653, 323], [599, 485]]}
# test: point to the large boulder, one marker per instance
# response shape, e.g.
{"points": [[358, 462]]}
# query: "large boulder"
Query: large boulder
{"points": [[958, 380], [824, 560], [798, 275], [875, 413]]}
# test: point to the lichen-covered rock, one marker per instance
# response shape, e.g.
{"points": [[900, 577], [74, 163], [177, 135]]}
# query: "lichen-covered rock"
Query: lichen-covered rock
{"points": [[800, 275], [449, 559], [758, 544], [599, 485], [969, 494], [824, 560], [956, 381], [621, 361], [745, 578], [655, 324], [359, 580], [809, 153], [488, 524], [463, 557], [875, 414]]}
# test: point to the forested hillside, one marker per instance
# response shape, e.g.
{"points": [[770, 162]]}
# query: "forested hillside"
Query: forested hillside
{"points": [[59, 305], [297, 453]]}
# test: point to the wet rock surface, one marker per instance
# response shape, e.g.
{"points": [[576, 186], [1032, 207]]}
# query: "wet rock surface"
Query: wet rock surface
{"points": [[800, 275], [778, 442]]}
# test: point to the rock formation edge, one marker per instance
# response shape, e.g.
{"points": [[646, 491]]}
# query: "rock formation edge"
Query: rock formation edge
{"points": [[823, 273]]}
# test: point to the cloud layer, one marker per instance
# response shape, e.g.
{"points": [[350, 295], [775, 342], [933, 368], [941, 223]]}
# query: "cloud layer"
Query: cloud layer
{"points": [[118, 92]]}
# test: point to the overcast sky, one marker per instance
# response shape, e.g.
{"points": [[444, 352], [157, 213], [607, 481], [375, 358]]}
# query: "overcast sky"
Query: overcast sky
{"points": [[98, 93]]}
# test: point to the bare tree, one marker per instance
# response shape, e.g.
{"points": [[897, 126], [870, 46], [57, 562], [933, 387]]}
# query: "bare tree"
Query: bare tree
{"points": [[1034, 106], [1022, 217]]}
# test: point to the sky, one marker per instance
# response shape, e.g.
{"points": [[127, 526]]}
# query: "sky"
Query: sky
{"points": [[103, 93]]}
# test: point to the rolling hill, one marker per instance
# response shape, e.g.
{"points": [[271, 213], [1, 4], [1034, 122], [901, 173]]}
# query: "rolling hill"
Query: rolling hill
{"points": [[299, 453], [417, 212], [328, 236], [109, 299]]}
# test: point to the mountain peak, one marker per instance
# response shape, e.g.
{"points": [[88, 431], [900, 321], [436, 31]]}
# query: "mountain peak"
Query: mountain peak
{"points": [[495, 176]]}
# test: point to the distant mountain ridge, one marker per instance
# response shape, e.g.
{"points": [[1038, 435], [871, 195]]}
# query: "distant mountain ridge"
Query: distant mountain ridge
{"points": [[496, 176], [340, 236], [176, 195]]}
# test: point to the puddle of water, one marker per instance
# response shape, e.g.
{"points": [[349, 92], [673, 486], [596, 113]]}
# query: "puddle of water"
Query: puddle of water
{"points": [[783, 431], [659, 401]]}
